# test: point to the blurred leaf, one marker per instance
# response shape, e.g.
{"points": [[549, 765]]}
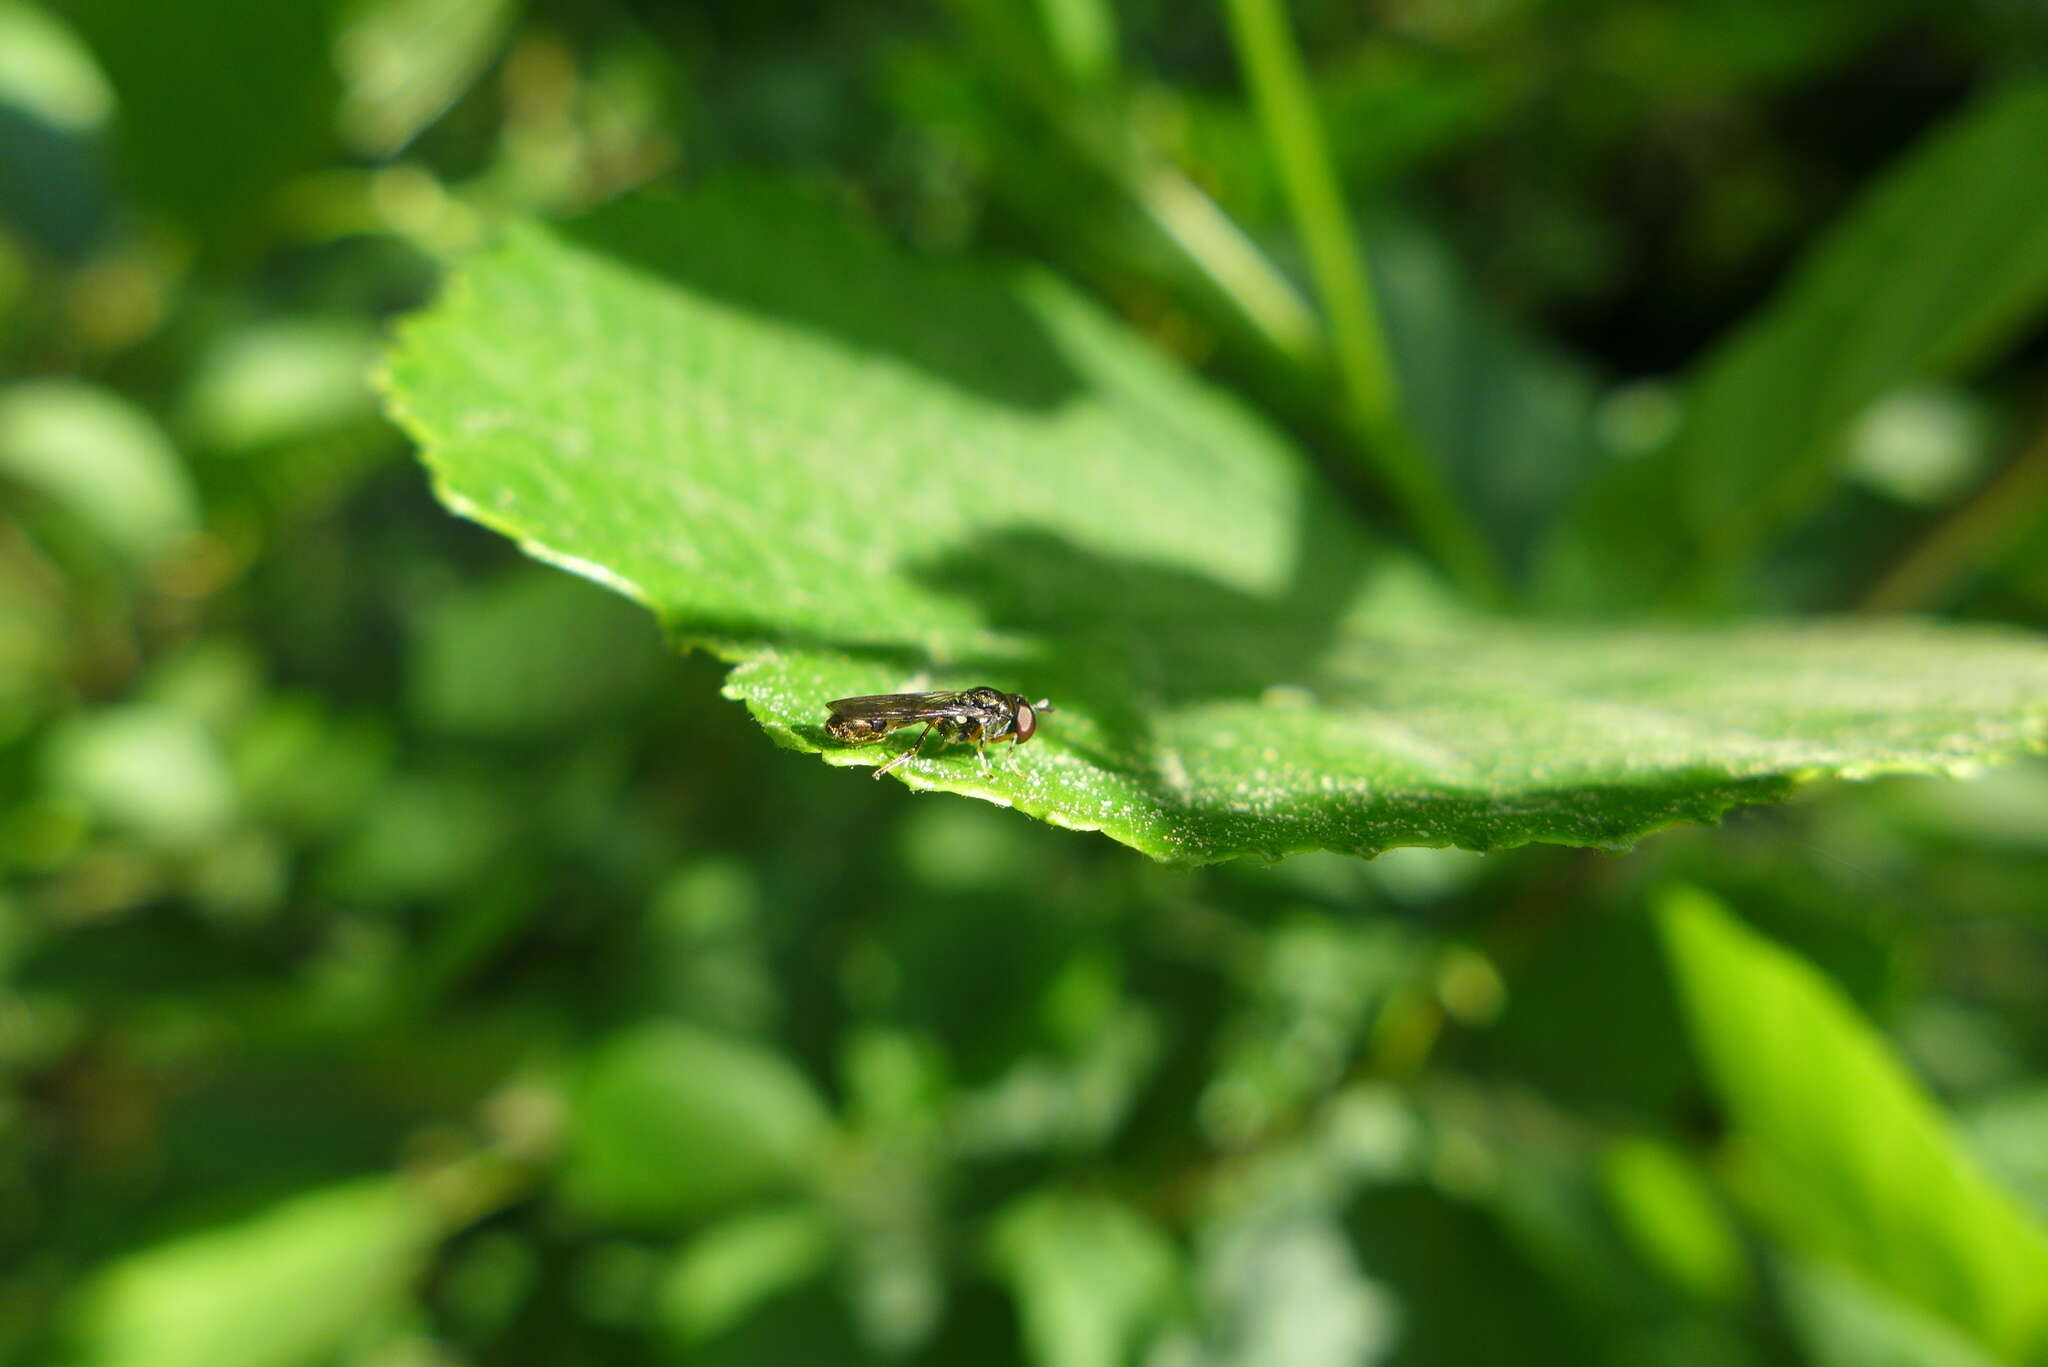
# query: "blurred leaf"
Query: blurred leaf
{"points": [[1665, 1205], [306, 770], [1076, 1099], [701, 949], [403, 62], [427, 834], [1286, 1291], [1320, 983], [1510, 420], [1092, 1277], [1838, 1150], [1728, 43], [1946, 258], [145, 769], [36, 635], [288, 1286], [46, 71], [1843, 1322], [215, 681], [532, 652], [672, 1122], [853, 474], [487, 1281], [730, 1270], [281, 380], [103, 458], [2008, 810], [2011, 1132], [53, 106], [1549, 1201], [1392, 103], [1082, 36]]}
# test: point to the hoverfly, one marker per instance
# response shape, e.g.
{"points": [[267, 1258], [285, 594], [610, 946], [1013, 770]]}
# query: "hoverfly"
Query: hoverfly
{"points": [[977, 714]]}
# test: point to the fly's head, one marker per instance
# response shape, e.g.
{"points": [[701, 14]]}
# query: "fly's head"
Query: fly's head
{"points": [[1024, 716]]}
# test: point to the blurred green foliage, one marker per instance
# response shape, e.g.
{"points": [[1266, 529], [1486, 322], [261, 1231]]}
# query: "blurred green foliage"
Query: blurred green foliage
{"points": [[405, 960]]}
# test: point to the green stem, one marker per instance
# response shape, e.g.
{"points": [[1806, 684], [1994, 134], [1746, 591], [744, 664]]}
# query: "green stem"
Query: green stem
{"points": [[1970, 536], [1216, 246], [1082, 37], [1294, 132], [1185, 216]]}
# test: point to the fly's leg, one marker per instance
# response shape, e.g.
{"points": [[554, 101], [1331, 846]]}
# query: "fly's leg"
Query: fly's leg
{"points": [[981, 753], [907, 754]]}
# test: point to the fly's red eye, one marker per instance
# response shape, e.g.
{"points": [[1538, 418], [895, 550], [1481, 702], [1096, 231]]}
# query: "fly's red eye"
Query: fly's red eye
{"points": [[1027, 722]]}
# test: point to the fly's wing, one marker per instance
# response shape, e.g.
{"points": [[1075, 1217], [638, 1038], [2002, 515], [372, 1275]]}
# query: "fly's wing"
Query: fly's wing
{"points": [[899, 708]]}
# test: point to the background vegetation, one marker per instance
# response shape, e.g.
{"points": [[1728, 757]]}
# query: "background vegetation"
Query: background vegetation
{"points": [[405, 958]]}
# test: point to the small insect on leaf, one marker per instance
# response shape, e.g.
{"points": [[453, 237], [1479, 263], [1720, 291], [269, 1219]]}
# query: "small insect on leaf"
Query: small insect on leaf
{"points": [[979, 715]]}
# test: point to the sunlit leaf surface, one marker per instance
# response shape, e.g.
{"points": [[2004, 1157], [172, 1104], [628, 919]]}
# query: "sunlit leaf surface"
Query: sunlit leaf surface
{"points": [[847, 472]]}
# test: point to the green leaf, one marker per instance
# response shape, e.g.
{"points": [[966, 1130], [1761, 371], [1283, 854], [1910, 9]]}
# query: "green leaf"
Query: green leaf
{"points": [[1843, 1322], [1090, 1275], [849, 473], [290, 1285], [1839, 1150], [1082, 36], [1945, 259], [673, 1121], [278, 381], [145, 769], [733, 1268], [2010, 1130], [1510, 420], [54, 106], [404, 62], [47, 73], [1670, 1215], [104, 459]]}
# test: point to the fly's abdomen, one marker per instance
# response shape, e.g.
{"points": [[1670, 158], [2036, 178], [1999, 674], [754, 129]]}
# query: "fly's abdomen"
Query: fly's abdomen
{"points": [[856, 730]]}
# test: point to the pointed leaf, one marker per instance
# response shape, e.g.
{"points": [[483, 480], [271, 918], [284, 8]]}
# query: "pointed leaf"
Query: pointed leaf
{"points": [[1839, 1150], [1946, 258]]}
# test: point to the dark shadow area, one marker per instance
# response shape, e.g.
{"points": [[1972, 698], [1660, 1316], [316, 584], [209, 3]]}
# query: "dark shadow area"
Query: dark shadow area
{"points": [[52, 184], [1158, 630], [220, 102], [768, 248], [1124, 635], [1116, 637], [1121, 635], [1467, 1293]]}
